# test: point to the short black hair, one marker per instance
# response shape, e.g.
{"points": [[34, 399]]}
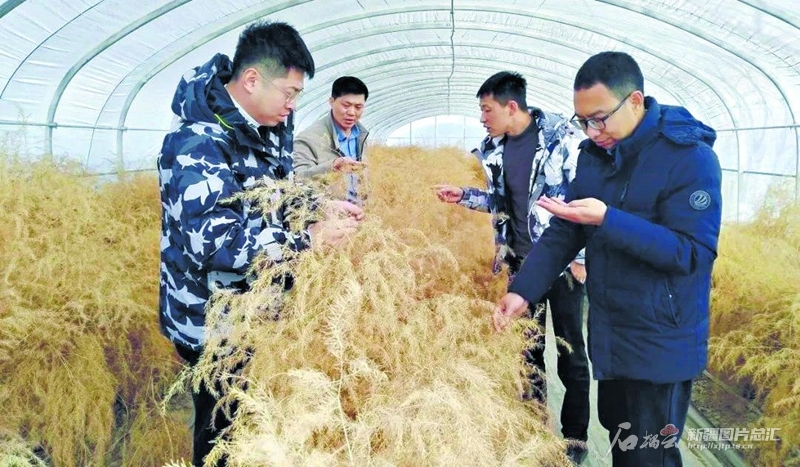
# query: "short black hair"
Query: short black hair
{"points": [[617, 71], [274, 48], [505, 86], [349, 85]]}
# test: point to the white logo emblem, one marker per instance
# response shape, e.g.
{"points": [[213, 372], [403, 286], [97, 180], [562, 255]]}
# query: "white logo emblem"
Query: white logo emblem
{"points": [[700, 200]]}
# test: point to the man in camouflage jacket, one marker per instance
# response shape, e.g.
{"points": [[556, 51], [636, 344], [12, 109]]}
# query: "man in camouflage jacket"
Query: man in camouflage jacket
{"points": [[230, 135], [528, 154]]}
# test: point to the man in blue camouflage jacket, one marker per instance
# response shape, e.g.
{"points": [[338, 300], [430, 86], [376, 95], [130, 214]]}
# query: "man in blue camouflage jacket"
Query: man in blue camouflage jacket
{"points": [[230, 135], [530, 153]]}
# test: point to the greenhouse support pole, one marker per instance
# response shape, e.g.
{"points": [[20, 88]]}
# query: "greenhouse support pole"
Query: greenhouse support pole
{"points": [[8, 6], [436, 131], [48, 138], [739, 176], [120, 155], [797, 165]]}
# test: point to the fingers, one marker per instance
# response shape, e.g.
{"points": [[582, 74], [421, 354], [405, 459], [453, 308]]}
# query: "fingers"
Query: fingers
{"points": [[552, 206], [338, 163], [578, 271], [349, 166], [443, 189], [353, 211], [500, 320], [440, 192], [548, 201], [333, 233], [339, 236], [578, 203], [510, 307], [568, 211], [448, 193], [559, 201], [346, 208], [358, 215], [579, 276]]}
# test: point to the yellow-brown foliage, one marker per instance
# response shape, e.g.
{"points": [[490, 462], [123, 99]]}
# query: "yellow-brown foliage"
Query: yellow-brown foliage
{"points": [[15, 452], [383, 354], [755, 319], [80, 350]]}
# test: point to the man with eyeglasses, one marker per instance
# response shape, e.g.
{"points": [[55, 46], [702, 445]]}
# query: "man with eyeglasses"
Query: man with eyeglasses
{"points": [[646, 205], [530, 153], [230, 136], [335, 142]]}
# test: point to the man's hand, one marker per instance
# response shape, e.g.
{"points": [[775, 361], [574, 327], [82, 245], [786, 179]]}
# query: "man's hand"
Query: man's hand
{"points": [[347, 165], [449, 193], [331, 233], [589, 211], [339, 209], [510, 307], [578, 271]]}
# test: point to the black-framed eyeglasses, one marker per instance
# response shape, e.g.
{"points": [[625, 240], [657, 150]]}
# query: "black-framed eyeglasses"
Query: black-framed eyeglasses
{"points": [[596, 123], [291, 96]]}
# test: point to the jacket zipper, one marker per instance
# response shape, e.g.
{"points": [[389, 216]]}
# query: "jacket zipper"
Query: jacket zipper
{"points": [[670, 299], [624, 194]]}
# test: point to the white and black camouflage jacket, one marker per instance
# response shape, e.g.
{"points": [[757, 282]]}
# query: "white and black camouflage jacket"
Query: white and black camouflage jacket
{"points": [[211, 154], [553, 169]]}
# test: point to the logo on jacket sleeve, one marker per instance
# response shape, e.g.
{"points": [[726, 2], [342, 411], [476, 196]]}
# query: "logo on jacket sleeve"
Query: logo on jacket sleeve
{"points": [[700, 200]]}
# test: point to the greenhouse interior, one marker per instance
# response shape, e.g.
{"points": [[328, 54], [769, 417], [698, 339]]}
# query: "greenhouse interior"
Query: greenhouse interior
{"points": [[381, 349]]}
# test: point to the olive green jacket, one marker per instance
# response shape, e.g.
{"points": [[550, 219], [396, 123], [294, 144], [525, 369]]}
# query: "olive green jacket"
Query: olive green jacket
{"points": [[316, 147]]}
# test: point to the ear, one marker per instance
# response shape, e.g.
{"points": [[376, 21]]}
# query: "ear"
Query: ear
{"points": [[637, 99], [330, 101], [249, 79], [513, 106]]}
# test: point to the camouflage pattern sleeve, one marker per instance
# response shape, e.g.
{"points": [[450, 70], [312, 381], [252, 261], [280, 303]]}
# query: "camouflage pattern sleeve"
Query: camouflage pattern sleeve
{"points": [[476, 199]]}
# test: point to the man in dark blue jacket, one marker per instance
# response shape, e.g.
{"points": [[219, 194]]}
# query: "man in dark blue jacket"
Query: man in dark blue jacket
{"points": [[646, 204]]}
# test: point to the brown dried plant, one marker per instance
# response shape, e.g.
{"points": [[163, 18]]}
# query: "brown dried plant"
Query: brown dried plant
{"points": [[81, 356], [755, 319], [383, 353]]}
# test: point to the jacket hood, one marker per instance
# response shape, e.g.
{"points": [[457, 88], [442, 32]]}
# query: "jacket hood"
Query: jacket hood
{"points": [[676, 124], [201, 93], [201, 97], [551, 125], [680, 127]]}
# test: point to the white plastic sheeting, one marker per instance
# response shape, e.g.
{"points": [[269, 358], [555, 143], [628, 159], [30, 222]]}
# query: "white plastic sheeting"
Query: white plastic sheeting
{"points": [[93, 79]]}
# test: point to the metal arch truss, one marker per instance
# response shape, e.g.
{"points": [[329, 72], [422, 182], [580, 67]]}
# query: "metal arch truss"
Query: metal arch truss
{"points": [[698, 32], [145, 71], [261, 12]]}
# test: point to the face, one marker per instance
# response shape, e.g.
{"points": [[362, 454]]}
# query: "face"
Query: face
{"points": [[273, 99], [495, 117], [598, 102], [347, 110]]}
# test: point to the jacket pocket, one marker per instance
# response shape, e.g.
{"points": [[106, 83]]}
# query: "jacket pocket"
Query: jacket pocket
{"points": [[632, 309], [668, 305]]}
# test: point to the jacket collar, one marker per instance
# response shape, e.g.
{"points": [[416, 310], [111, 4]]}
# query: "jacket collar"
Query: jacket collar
{"points": [[333, 131], [644, 132], [489, 144], [630, 147]]}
